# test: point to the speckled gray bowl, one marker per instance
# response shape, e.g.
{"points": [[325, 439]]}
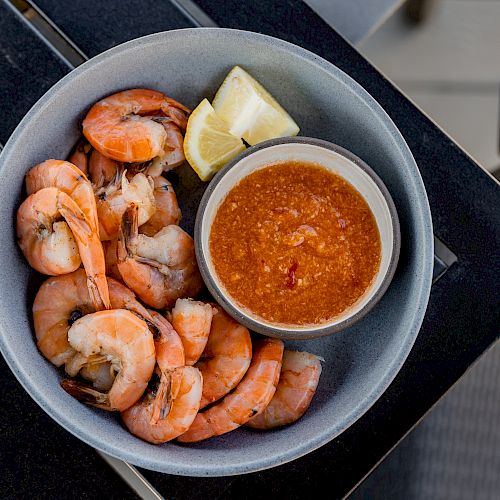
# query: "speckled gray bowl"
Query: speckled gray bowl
{"points": [[360, 362]]}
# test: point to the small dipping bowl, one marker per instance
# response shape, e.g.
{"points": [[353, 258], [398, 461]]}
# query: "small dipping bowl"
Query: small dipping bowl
{"points": [[334, 159]]}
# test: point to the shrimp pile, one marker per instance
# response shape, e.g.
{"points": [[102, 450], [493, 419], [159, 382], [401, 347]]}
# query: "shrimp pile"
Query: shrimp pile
{"points": [[118, 312]]}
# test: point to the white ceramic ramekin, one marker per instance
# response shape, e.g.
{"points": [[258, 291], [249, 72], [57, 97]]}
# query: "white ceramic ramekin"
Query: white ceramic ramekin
{"points": [[335, 159]]}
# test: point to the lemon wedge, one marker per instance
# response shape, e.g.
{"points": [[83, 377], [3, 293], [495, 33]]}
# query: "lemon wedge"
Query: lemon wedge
{"points": [[250, 111], [208, 145]]}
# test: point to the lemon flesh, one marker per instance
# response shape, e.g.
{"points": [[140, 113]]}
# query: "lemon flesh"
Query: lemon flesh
{"points": [[208, 144], [250, 111]]}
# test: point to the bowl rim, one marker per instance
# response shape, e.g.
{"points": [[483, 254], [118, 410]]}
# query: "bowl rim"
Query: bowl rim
{"points": [[415, 318], [264, 327]]}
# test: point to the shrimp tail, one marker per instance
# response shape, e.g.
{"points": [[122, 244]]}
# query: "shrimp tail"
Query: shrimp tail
{"points": [[163, 400], [91, 252], [176, 111], [129, 231], [74, 217], [86, 394], [96, 287]]}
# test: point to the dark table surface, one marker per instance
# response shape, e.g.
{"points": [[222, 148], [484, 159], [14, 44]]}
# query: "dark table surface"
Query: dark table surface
{"points": [[40, 459]]}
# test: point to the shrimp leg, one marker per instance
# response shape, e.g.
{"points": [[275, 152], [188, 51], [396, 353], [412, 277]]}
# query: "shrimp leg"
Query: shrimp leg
{"points": [[226, 357], [144, 419], [160, 269], [127, 342]]}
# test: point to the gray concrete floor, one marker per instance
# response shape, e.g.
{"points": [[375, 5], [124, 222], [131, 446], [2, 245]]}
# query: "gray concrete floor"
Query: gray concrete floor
{"points": [[450, 67]]}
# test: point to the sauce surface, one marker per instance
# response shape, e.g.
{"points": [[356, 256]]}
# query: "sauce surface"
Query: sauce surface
{"points": [[295, 244]]}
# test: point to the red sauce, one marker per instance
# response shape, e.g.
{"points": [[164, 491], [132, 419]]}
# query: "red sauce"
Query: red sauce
{"points": [[295, 244]]}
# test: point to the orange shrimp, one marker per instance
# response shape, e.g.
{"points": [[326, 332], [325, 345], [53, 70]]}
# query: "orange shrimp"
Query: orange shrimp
{"points": [[158, 201], [102, 170], [117, 126], [296, 387], [46, 241], [72, 181], [106, 176], [160, 269], [167, 209], [49, 243], [181, 393], [62, 300], [169, 351], [69, 179], [59, 302], [225, 359], [112, 200], [173, 151], [249, 398], [168, 344], [192, 320], [109, 247], [79, 156], [126, 341], [169, 372], [169, 357]]}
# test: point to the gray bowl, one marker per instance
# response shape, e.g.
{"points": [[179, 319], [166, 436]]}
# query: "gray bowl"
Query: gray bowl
{"points": [[360, 362], [334, 159]]}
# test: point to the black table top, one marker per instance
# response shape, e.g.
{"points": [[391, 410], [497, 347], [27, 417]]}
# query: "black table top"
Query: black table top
{"points": [[38, 458]]}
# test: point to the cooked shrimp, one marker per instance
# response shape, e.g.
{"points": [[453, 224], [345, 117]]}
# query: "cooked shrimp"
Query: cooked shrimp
{"points": [[169, 358], [72, 181], [167, 209], [225, 359], [62, 300], [69, 179], [49, 243], [117, 126], [109, 248], [192, 320], [170, 246], [126, 341], [298, 381], [79, 156], [113, 199], [168, 344], [102, 170], [160, 269], [146, 418], [173, 151], [249, 398]]}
